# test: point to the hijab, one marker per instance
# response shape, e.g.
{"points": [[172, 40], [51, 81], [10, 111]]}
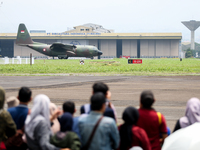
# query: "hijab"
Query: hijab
{"points": [[39, 112], [56, 125], [2, 98], [130, 117], [192, 113]]}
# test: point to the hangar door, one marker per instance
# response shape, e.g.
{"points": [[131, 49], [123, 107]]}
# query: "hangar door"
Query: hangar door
{"points": [[108, 47], [6, 48]]}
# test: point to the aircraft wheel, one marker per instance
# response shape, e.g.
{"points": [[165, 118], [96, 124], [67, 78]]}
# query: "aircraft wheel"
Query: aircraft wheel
{"points": [[66, 57], [92, 57]]}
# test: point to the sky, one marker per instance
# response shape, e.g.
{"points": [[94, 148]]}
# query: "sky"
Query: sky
{"points": [[123, 16]]}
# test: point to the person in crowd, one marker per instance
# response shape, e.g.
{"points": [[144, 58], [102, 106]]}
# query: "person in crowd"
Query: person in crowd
{"points": [[192, 114], [12, 101], [106, 136], [151, 121], [20, 112], [55, 123], [65, 137], [69, 107], [38, 125], [7, 125], [110, 109], [130, 134]]}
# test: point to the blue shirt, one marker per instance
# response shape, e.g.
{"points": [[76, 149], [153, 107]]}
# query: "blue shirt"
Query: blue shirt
{"points": [[85, 109], [106, 136], [75, 126], [19, 115]]}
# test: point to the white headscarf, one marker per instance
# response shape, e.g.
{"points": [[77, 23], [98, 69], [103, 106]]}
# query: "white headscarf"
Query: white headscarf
{"points": [[192, 113], [39, 112]]}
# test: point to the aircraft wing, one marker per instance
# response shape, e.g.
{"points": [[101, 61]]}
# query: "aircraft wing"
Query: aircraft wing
{"points": [[60, 47]]}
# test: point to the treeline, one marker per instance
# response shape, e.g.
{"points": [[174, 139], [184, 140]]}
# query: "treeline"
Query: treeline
{"points": [[190, 53]]}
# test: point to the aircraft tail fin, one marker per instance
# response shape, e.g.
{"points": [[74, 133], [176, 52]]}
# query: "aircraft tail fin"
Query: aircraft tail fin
{"points": [[23, 37]]}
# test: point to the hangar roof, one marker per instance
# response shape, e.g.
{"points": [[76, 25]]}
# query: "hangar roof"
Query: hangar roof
{"points": [[96, 35]]}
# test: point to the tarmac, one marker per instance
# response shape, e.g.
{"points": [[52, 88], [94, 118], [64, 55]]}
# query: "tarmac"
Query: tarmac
{"points": [[171, 92]]}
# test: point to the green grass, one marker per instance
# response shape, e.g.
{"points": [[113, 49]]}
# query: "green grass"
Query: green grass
{"points": [[105, 67]]}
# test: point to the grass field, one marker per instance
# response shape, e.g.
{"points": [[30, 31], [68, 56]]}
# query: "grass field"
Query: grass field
{"points": [[105, 67]]}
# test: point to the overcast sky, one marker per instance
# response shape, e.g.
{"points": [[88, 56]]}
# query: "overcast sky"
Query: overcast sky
{"points": [[120, 15]]}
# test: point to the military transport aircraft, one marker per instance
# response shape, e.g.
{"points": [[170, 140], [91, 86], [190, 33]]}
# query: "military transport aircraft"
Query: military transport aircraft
{"points": [[60, 50]]}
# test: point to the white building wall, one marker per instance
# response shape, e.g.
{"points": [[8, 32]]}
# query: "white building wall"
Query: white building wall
{"points": [[144, 48], [104, 47], [75, 42], [129, 48], [93, 42], [148, 48], [167, 48], [174, 47], [159, 48], [108, 47], [112, 47], [24, 51], [152, 47]]}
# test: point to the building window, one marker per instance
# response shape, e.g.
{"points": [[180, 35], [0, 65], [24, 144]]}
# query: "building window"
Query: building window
{"points": [[87, 29], [82, 29]]}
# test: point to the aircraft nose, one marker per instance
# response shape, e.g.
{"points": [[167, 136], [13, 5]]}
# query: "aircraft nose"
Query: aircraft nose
{"points": [[100, 53]]}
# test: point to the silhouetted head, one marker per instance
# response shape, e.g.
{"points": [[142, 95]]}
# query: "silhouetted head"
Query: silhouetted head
{"points": [[24, 94], [100, 87], [130, 115], [147, 99], [97, 101], [69, 106]]}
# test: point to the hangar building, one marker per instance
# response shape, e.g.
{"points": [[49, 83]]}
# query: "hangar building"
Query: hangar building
{"points": [[135, 45]]}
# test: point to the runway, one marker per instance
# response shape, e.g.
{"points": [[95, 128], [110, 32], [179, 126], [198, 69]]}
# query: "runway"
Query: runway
{"points": [[171, 92]]}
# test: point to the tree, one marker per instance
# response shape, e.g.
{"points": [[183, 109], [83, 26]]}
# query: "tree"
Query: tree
{"points": [[189, 53]]}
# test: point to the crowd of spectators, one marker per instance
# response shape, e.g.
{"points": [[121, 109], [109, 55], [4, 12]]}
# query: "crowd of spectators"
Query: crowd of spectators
{"points": [[45, 127]]}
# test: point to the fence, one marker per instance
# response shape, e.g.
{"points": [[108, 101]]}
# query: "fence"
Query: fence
{"points": [[17, 60]]}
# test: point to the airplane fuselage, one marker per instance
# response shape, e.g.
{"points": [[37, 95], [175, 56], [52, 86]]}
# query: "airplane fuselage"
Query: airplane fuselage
{"points": [[79, 51], [56, 49]]}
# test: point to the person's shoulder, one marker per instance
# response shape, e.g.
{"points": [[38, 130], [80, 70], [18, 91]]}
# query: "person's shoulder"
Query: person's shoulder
{"points": [[42, 123], [109, 111], [72, 134], [11, 109], [82, 118], [108, 120], [137, 128], [76, 118], [5, 113]]}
